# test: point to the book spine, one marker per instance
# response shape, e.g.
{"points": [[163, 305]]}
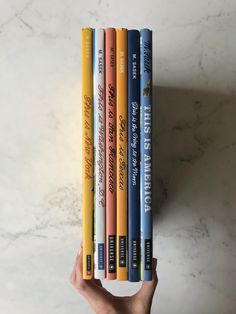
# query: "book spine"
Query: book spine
{"points": [[87, 153], [121, 148], [99, 154], [133, 183], [110, 87], [146, 154]]}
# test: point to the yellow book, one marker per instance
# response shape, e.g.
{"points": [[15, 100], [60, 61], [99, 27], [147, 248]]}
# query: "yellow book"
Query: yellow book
{"points": [[87, 153], [121, 146]]}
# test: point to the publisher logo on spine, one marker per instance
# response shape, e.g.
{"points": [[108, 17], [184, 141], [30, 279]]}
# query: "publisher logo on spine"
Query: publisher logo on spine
{"points": [[89, 264], [100, 256], [135, 254], [112, 254], [148, 254], [122, 251]]}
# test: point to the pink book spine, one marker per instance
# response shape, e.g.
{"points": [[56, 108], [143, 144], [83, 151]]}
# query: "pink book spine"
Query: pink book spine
{"points": [[110, 74]]}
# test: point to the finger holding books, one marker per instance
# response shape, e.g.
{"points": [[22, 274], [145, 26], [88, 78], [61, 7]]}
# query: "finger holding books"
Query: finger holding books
{"points": [[102, 301]]}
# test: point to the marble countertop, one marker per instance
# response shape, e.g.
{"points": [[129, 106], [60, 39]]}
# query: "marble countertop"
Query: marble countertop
{"points": [[194, 151]]}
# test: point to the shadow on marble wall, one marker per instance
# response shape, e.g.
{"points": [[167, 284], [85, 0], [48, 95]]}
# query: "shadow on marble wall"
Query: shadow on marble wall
{"points": [[186, 123]]}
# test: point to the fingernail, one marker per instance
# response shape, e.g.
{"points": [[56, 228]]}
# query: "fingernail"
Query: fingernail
{"points": [[154, 263]]}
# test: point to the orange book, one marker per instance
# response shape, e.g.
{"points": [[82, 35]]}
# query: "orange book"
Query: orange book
{"points": [[87, 153], [110, 74], [121, 148]]}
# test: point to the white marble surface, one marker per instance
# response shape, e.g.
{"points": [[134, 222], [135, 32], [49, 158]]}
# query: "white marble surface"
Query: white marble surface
{"points": [[194, 152]]}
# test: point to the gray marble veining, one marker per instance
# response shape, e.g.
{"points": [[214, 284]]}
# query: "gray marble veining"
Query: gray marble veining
{"points": [[194, 151]]}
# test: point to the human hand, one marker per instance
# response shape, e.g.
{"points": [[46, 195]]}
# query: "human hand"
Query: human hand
{"points": [[103, 302]]}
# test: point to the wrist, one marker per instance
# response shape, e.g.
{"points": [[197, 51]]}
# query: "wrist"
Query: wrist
{"points": [[107, 309]]}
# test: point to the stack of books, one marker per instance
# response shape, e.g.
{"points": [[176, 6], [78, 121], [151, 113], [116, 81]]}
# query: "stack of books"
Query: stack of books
{"points": [[116, 149]]}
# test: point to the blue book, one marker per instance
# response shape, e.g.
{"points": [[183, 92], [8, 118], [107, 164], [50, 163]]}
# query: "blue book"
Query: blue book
{"points": [[146, 153], [133, 182]]}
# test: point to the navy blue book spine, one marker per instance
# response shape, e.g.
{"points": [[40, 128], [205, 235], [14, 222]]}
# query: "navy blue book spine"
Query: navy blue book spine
{"points": [[146, 153], [133, 183]]}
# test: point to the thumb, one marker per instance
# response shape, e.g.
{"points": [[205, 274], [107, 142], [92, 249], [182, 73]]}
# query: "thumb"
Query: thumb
{"points": [[148, 287], [92, 290]]}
